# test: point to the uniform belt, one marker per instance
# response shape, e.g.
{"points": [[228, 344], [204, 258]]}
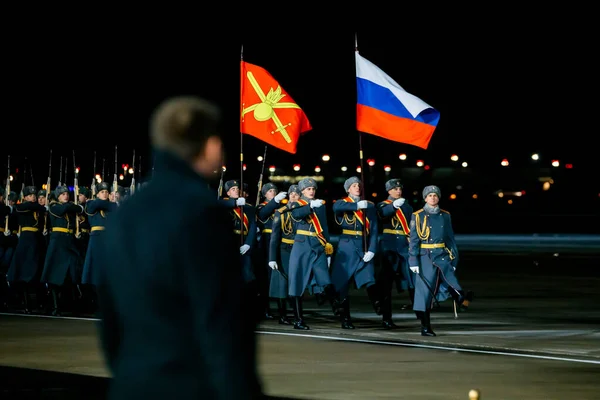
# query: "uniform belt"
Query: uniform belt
{"points": [[84, 230], [433, 245], [63, 230], [353, 233], [1, 229], [306, 233], [394, 232], [29, 229], [97, 228], [287, 241], [239, 232], [267, 230]]}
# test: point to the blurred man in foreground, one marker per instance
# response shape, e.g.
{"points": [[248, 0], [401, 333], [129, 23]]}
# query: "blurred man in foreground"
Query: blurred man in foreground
{"points": [[173, 323]]}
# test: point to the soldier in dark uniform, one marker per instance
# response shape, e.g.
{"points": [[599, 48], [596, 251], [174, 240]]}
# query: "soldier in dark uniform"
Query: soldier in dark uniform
{"points": [[311, 253], [97, 211], [84, 225], [173, 322], [433, 256], [243, 221], [356, 249], [264, 217], [11, 235], [27, 261], [280, 249], [62, 267], [4, 213], [394, 214]]}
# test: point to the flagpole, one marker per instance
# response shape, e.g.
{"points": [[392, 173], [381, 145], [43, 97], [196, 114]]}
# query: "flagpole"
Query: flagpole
{"points": [[362, 171], [241, 189]]}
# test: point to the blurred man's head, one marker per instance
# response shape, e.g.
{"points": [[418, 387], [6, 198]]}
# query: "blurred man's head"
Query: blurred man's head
{"points": [[187, 128]]}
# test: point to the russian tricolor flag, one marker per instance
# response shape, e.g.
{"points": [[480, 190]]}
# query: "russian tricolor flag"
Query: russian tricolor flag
{"points": [[386, 110]]}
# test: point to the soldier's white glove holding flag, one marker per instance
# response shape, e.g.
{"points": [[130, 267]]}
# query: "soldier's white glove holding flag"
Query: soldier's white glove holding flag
{"points": [[316, 203], [398, 202], [244, 249], [240, 201], [361, 205], [415, 269], [273, 265], [7, 232], [280, 196], [368, 256]]}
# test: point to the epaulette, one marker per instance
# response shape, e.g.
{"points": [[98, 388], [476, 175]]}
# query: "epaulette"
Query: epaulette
{"points": [[418, 211], [282, 209], [444, 211]]}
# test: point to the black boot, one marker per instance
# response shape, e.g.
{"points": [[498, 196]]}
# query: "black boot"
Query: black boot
{"points": [[332, 296], [425, 317], [345, 314], [26, 309], [299, 322], [283, 319], [386, 313], [55, 311], [374, 298], [411, 295]]}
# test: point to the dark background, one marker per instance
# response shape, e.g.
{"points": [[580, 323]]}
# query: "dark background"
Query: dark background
{"points": [[506, 87]]}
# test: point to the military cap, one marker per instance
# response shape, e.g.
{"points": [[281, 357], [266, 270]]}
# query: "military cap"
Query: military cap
{"points": [[230, 184], [295, 189], [42, 193], [266, 187], [431, 189], [27, 190], [85, 191], [350, 181], [60, 190], [306, 183], [12, 196], [102, 186], [393, 183]]}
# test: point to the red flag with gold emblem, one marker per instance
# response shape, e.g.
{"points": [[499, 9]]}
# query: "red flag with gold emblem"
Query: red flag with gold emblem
{"points": [[268, 112]]}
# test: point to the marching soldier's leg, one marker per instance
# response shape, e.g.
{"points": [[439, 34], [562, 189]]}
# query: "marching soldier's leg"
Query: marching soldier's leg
{"points": [[374, 297], [298, 311], [283, 319], [345, 314]]}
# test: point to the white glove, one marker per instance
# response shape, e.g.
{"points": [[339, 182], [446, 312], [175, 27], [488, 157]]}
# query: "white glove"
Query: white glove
{"points": [[328, 261], [415, 269], [240, 201], [18, 235], [244, 249], [45, 232], [46, 207], [273, 265], [368, 256], [280, 196], [398, 202], [316, 203], [362, 204], [6, 233]]}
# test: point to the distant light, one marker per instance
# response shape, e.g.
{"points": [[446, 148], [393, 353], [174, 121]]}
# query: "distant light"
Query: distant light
{"points": [[420, 163], [504, 163], [371, 162], [358, 169], [224, 168], [509, 201], [546, 186], [44, 187], [535, 156], [465, 164], [10, 177], [296, 167], [317, 169], [98, 176], [501, 194], [326, 157], [475, 196], [555, 163], [77, 170], [98, 179], [568, 166], [458, 187], [522, 193], [130, 171], [402, 156], [259, 158], [518, 194], [121, 177], [452, 196], [272, 168], [344, 168], [454, 157], [387, 168], [374, 194], [427, 167], [243, 167]]}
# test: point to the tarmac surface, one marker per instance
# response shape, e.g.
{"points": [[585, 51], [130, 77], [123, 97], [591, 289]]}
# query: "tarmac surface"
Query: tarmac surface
{"points": [[532, 332]]}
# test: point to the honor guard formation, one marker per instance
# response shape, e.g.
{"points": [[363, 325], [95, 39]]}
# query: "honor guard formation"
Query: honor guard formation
{"points": [[50, 244]]}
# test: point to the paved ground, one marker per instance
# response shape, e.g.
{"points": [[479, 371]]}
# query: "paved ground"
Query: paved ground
{"points": [[533, 332]]}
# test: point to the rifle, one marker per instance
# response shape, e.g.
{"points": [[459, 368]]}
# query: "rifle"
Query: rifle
{"points": [[60, 173], [115, 177], [7, 196], [93, 186], [132, 186], [76, 192], [262, 170], [48, 193], [220, 191], [139, 173], [23, 183]]}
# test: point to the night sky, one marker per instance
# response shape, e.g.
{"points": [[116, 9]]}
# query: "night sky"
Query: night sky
{"points": [[504, 89]]}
